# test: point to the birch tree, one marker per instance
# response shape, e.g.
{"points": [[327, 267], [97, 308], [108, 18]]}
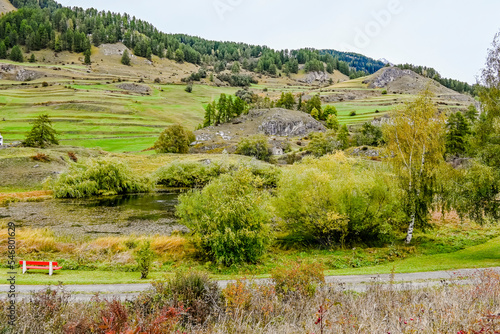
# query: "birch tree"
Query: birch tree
{"points": [[415, 142]]}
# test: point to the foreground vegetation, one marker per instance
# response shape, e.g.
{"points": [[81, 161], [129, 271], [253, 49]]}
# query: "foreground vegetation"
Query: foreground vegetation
{"points": [[298, 301]]}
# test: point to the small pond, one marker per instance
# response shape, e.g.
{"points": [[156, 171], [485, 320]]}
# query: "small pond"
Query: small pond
{"points": [[141, 214]]}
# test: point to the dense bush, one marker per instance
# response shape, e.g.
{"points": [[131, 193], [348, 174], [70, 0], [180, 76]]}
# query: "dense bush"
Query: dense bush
{"points": [[198, 174], [195, 292], [98, 177], [229, 217], [255, 146], [322, 143], [174, 139], [337, 200], [298, 280], [237, 80]]}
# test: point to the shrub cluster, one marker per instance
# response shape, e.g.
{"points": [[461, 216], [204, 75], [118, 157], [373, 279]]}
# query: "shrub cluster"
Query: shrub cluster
{"points": [[97, 177], [229, 217], [186, 174]]}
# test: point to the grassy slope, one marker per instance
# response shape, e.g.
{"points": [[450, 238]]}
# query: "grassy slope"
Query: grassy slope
{"points": [[480, 256]]}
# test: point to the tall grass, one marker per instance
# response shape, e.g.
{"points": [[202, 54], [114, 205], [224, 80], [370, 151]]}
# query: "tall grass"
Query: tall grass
{"points": [[192, 304]]}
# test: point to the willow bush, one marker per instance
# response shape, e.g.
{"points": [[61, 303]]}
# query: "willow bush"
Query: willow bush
{"points": [[230, 218], [336, 200], [191, 174], [96, 177]]}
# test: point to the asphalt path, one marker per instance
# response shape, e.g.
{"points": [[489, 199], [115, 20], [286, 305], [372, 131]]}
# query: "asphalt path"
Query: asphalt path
{"points": [[358, 283]]}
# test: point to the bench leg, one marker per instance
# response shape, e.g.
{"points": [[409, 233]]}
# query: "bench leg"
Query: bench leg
{"points": [[50, 269], [24, 267]]}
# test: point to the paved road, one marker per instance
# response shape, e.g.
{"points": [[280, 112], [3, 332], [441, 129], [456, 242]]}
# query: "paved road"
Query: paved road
{"points": [[353, 282]]}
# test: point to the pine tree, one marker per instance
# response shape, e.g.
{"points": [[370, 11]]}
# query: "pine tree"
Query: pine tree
{"points": [[16, 54], [457, 130], [209, 114], [343, 137], [3, 50], [32, 58], [125, 58], [42, 134], [315, 113], [87, 60]]}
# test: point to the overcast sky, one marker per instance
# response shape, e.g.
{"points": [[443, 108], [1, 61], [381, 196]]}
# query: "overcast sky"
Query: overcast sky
{"points": [[450, 35]]}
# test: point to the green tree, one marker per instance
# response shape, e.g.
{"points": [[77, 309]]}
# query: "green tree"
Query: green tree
{"points": [[179, 56], [125, 58], [315, 113], [328, 110], [149, 53], [471, 114], [209, 114], [255, 146], [144, 257], [370, 135], [41, 134], [457, 132], [322, 143], [337, 200], [229, 218], [3, 50], [16, 54], [313, 102], [415, 140], [174, 139], [343, 137], [32, 58], [286, 101], [485, 144], [332, 123], [236, 67], [87, 60]]}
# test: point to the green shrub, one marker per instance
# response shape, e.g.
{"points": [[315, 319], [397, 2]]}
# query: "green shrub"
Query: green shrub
{"points": [[97, 177], [144, 257], [174, 139], [197, 293], [384, 92], [198, 174], [322, 143], [337, 200], [255, 146], [352, 113], [298, 280], [229, 217], [186, 174]]}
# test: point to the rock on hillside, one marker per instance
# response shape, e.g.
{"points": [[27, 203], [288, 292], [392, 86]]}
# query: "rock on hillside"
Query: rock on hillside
{"points": [[396, 80], [17, 73], [385, 76], [271, 122]]}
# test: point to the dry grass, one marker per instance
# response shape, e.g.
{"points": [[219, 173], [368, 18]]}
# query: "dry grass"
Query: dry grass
{"points": [[42, 243], [25, 196], [250, 308]]}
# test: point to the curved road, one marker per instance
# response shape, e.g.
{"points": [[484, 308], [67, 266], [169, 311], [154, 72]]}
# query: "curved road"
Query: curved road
{"points": [[353, 282]]}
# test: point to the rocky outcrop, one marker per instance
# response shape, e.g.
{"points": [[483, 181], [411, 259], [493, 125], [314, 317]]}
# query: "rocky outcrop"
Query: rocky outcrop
{"points": [[18, 73], [315, 76], [280, 122], [387, 76]]}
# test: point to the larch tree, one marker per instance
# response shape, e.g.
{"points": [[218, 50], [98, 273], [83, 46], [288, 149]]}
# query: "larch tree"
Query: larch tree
{"points": [[415, 142]]}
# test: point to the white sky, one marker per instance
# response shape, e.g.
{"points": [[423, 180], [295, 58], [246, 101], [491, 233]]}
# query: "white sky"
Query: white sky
{"points": [[450, 35]]}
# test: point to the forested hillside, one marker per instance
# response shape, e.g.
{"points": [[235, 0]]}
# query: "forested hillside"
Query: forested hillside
{"points": [[42, 24]]}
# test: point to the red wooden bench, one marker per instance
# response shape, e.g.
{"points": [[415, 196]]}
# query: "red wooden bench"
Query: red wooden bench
{"points": [[44, 265]]}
